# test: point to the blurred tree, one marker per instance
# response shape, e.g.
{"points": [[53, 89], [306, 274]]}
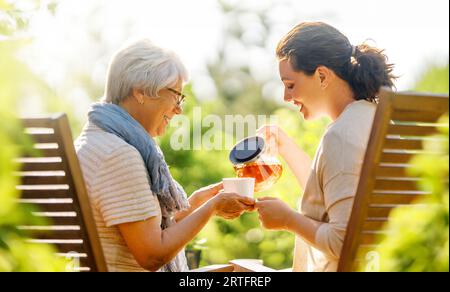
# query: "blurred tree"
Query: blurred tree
{"points": [[243, 85], [16, 254]]}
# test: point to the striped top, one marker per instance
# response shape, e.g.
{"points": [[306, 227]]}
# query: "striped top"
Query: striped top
{"points": [[118, 186]]}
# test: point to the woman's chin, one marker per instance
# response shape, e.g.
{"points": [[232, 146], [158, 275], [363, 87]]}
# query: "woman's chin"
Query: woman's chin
{"points": [[304, 114], [310, 117], [162, 130], [307, 116]]}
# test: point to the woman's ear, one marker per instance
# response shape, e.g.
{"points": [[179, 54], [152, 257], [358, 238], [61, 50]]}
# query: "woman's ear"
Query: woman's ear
{"points": [[325, 76], [138, 95]]}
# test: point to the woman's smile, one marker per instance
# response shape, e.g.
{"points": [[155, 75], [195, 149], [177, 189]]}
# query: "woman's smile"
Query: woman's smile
{"points": [[300, 105]]}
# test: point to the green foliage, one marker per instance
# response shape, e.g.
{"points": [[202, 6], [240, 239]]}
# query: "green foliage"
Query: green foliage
{"points": [[419, 236], [16, 253], [435, 79], [14, 20]]}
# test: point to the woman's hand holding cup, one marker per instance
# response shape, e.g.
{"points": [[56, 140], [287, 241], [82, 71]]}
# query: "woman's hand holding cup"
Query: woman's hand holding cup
{"points": [[232, 205]]}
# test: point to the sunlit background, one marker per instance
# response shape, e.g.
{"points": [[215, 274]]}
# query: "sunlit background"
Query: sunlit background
{"points": [[73, 44], [54, 56]]}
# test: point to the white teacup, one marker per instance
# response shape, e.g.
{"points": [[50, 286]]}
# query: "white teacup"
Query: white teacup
{"points": [[241, 186]]}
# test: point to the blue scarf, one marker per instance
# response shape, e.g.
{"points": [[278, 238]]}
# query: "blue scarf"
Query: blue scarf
{"points": [[172, 198]]}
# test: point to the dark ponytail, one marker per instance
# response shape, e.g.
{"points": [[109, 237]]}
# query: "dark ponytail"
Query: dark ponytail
{"points": [[313, 44], [369, 70]]}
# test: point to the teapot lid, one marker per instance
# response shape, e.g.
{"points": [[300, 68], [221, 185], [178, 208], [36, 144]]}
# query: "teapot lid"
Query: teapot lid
{"points": [[247, 150]]}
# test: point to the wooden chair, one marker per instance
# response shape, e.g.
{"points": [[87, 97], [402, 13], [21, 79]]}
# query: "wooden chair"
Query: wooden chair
{"points": [[403, 121], [52, 181]]}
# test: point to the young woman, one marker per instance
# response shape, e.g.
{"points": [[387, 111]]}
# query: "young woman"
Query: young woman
{"points": [[324, 75]]}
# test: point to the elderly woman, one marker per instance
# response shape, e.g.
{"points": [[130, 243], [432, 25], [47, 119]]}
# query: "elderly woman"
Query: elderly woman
{"points": [[143, 216]]}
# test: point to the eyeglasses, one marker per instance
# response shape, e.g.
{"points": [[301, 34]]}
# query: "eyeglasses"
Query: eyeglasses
{"points": [[181, 98]]}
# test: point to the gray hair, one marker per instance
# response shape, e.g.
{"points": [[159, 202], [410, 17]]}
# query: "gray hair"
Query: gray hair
{"points": [[142, 65]]}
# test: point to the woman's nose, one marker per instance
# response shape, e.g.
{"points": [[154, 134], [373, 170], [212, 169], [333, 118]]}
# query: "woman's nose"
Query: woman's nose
{"points": [[287, 97]]}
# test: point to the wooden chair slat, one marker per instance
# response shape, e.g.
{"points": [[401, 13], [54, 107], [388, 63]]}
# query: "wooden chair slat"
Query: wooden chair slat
{"points": [[370, 238], [395, 199], [391, 171], [43, 153], [412, 130], [379, 212], [41, 122], [60, 220], [56, 235], [395, 185], [403, 122], [403, 158], [374, 225], [73, 255], [69, 221], [416, 116], [63, 246], [44, 180], [43, 138], [42, 194], [422, 103], [53, 207], [52, 166], [403, 144]]}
